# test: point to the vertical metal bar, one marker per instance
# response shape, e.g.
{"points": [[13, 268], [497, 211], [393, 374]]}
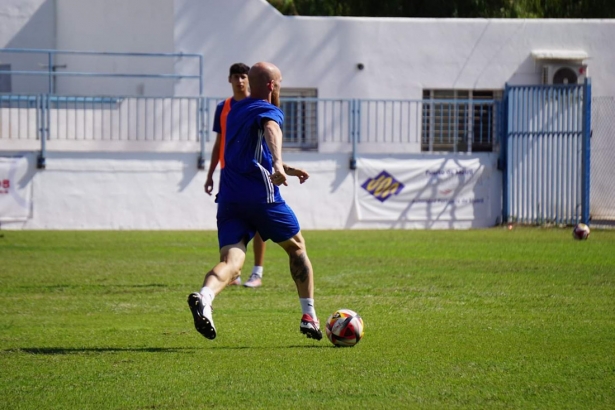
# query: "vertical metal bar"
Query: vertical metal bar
{"points": [[353, 137], [102, 116], [137, 99], [530, 157], [75, 114], [119, 117], [504, 155], [40, 117], [469, 123], [84, 117], [180, 115], [201, 101], [154, 117], [200, 75], [111, 111], [540, 122], [586, 152], [536, 140], [401, 126], [322, 107], [570, 144], [524, 139], [576, 142], [358, 120], [516, 151], [145, 118], [164, 112], [552, 154], [50, 89], [559, 167]]}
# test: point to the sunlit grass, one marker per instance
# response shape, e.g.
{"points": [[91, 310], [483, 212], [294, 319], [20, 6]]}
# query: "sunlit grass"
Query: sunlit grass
{"points": [[454, 320]]}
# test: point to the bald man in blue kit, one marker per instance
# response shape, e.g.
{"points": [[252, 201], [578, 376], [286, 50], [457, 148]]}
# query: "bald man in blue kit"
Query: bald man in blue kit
{"points": [[249, 201]]}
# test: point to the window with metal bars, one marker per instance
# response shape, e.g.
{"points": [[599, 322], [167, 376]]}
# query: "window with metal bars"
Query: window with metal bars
{"points": [[300, 128], [459, 120]]}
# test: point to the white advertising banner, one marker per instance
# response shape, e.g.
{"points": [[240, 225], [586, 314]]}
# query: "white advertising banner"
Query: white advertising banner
{"points": [[440, 189], [15, 195]]}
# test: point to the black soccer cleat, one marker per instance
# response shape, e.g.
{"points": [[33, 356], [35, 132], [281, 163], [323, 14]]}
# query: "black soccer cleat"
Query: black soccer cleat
{"points": [[310, 327], [202, 314]]}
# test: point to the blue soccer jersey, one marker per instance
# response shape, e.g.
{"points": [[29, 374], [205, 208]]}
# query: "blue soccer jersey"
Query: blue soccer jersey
{"points": [[248, 161]]}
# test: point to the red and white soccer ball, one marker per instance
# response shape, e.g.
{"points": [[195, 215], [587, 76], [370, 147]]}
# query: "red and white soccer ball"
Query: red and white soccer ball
{"points": [[580, 232], [344, 328]]}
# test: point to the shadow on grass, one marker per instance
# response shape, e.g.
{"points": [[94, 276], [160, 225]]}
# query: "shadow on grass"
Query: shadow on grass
{"points": [[85, 350], [71, 350]]}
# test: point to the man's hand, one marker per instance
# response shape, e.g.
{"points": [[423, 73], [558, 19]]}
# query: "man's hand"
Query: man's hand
{"points": [[209, 185], [278, 177], [296, 172]]}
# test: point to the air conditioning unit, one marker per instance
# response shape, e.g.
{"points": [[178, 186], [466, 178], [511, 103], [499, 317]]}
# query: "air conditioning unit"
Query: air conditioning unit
{"points": [[566, 73]]}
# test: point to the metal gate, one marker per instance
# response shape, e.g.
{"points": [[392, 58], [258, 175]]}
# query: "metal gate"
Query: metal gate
{"points": [[546, 154]]}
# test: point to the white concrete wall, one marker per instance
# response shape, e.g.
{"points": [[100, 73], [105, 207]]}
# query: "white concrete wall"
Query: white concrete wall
{"points": [[27, 24], [144, 26], [402, 56], [116, 26], [140, 191]]}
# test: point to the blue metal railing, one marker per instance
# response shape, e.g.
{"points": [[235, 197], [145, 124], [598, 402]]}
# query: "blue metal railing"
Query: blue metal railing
{"points": [[346, 124], [51, 72]]}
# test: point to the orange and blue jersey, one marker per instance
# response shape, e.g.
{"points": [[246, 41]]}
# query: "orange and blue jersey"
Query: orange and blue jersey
{"points": [[248, 161], [220, 116]]}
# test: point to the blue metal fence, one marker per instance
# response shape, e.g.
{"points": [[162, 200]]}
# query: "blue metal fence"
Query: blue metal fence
{"points": [[50, 68], [348, 124], [546, 154]]}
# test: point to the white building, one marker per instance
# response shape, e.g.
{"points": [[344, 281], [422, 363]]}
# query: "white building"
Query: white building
{"points": [[110, 185]]}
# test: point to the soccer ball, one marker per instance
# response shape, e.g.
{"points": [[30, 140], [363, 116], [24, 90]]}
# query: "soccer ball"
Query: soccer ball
{"points": [[580, 231], [344, 328]]}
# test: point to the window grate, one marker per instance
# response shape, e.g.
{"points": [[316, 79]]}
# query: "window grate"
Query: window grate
{"points": [[459, 120], [300, 128]]}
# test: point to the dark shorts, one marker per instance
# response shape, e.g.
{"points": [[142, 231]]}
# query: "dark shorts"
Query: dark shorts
{"points": [[238, 222]]}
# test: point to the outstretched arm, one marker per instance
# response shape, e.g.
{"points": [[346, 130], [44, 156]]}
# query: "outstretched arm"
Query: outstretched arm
{"points": [[296, 172]]}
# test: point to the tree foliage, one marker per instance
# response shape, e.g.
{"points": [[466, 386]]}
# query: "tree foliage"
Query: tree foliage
{"points": [[450, 8]]}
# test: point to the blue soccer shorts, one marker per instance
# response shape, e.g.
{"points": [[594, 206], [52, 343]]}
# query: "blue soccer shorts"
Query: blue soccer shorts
{"points": [[237, 222]]}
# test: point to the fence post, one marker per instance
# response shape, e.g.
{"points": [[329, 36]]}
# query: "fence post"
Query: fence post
{"points": [[353, 133], [43, 128], [202, 131], [586, 149], [503, 160]]}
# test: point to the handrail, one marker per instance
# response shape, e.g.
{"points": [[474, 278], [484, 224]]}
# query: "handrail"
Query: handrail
{"points": [[51, 73]]}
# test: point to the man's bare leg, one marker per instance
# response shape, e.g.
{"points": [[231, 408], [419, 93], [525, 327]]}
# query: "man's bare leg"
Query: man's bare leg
{"points": [[229, 267], [303, 275]]}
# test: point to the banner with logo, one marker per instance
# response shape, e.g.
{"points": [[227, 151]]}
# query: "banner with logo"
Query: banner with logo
{"points": [[15, 193], [439, 189]]}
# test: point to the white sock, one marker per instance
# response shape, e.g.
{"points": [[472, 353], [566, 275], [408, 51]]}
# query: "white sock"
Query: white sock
{"points": [[307, 306], [257, 270], [208, 295]]}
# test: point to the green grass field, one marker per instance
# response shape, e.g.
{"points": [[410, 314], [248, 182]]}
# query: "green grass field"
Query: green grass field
{"points": [[480, 319]]}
